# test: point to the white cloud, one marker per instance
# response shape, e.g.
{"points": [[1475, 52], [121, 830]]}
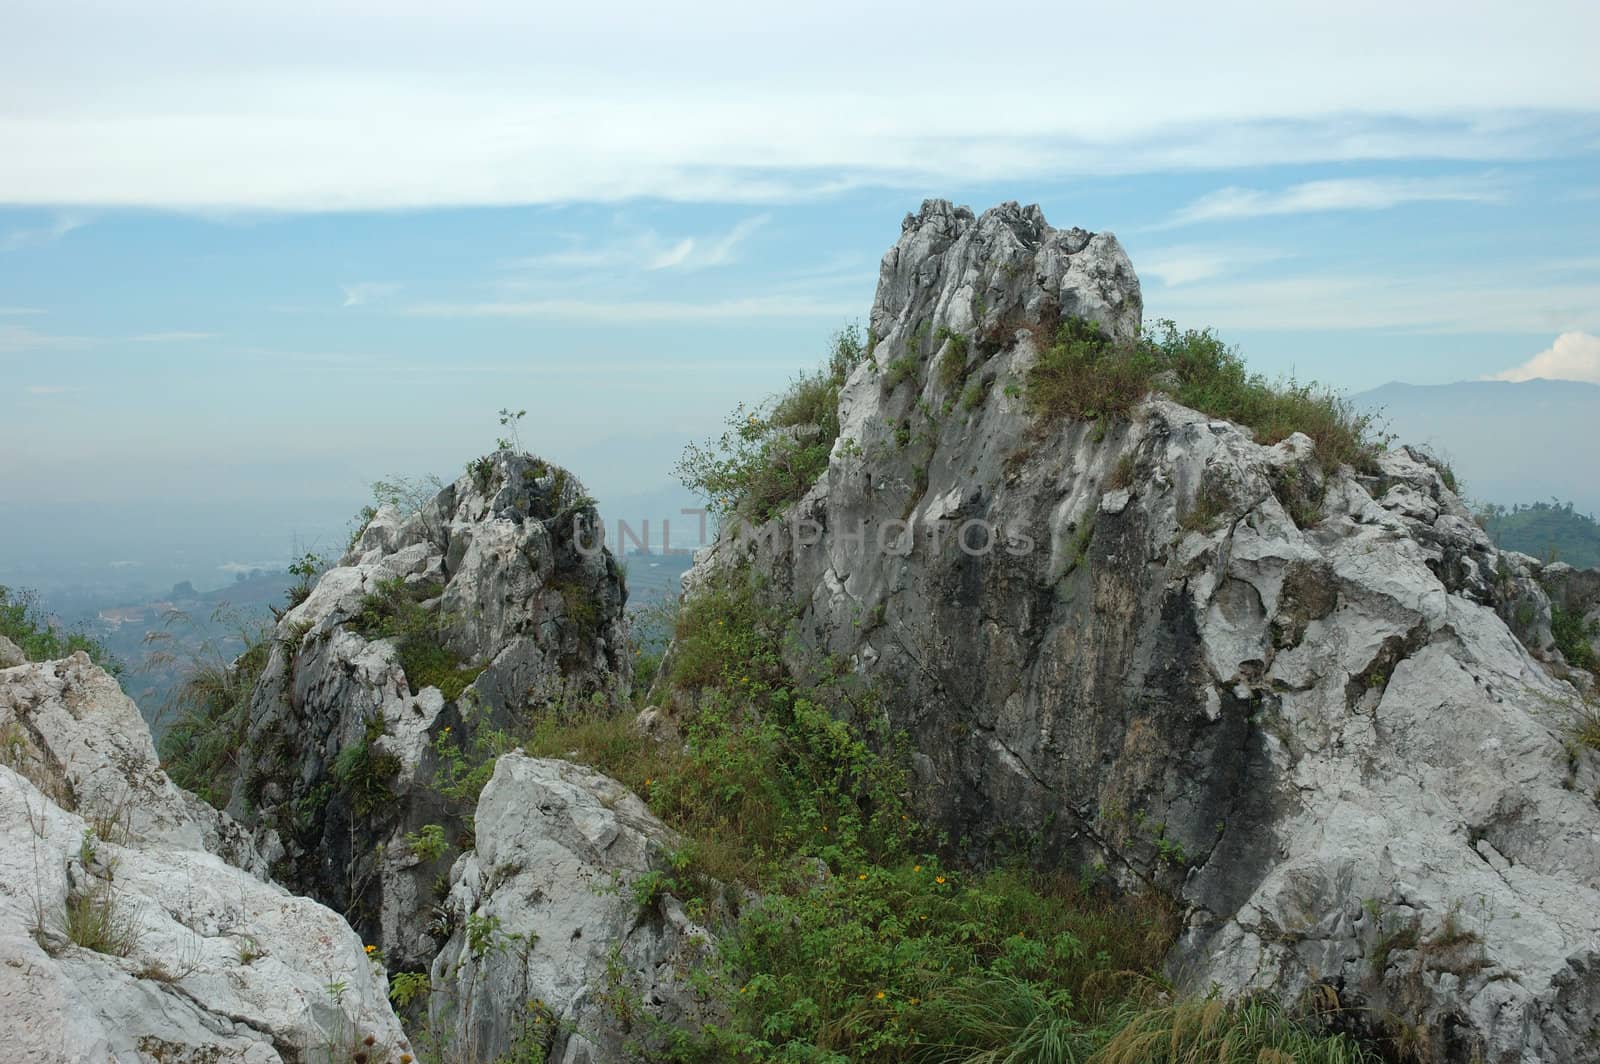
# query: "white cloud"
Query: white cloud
{"points": [[644, 249], [49, 389], [1338, 194], [250, 567], [362, 293], [1187, 264], [717, 251], [17, 239], [14, 339], [1432, 303], [18, 312], [643, 310], [1575, 356], [176, 336], [504, 102]]}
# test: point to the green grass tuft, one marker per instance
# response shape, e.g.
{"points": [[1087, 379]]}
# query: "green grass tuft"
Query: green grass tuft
{"points": [[1084, 374]]}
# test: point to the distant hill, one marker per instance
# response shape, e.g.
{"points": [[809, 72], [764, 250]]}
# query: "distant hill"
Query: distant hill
{"points": [[1552, 531], [1508, 442]]}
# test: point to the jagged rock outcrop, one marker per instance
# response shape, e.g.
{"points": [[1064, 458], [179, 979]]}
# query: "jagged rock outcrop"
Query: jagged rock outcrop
{"points": [[1154, 644], [561, 939], [196, 958], [491, 588]]}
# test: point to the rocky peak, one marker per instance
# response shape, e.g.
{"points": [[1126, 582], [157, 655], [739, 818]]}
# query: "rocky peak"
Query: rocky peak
{"points": [[1278, 687], [387, 686], [1004, 270]]}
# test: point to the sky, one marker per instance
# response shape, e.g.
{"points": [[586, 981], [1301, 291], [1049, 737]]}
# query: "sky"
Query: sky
{"points": [[254, 256]]}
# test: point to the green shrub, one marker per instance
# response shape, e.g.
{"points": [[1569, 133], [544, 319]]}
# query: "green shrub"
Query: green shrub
{"points": [[24, 622], [1084, 374], [366, 776], [917, 962], [428, 844], [464, 767], [952, 366], [578, 602], [305, 569], [395, 610], [211, 718], [772, 455], [898, 371], [1573, 637]]}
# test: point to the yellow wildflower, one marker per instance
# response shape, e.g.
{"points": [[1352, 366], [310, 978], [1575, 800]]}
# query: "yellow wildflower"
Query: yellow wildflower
{"points": [[862, 876], [939, 879], [880, 995]]}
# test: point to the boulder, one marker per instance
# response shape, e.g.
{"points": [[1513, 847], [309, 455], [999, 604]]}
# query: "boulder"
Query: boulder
{"points": [[562, 941], [132, 921], [11, 655]]}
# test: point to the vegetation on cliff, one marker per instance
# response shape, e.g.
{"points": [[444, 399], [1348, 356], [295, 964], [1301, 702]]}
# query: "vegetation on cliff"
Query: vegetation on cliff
{"points": [[210, 711], [24, 622], [771, 454], [866, 944], [1082, 373]]}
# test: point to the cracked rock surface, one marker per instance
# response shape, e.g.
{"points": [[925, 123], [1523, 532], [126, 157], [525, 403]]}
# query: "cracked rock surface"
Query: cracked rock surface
{"points": [[531, 620], [553, 908], [1293, 697], [215, 964]]}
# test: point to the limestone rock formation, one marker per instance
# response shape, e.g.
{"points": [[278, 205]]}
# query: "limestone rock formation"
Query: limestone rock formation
{"points": [[560, 939], [10, 654], [1159, 646], [441, 625], [133, 923]]}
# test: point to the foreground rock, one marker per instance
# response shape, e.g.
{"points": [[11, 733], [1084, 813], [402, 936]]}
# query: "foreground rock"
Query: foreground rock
{"points": [[1159, 647], [132, 925], [343, 759], [561, 940]]}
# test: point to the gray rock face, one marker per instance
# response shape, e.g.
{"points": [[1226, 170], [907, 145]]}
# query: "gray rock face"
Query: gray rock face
{"points": [[11, 655], [1161, 647], [342, 761], [558, 941], [215, 964]]}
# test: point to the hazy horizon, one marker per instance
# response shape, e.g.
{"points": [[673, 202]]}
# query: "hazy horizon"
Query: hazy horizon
{"points": [[251, 261]]}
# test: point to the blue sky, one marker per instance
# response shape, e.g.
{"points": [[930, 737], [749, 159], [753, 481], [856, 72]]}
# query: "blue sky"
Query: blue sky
{"points": [[266, 253]]}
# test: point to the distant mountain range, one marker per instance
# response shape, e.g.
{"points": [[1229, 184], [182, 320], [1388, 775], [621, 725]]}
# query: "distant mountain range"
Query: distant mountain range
{"points": [[1508, 442]]}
